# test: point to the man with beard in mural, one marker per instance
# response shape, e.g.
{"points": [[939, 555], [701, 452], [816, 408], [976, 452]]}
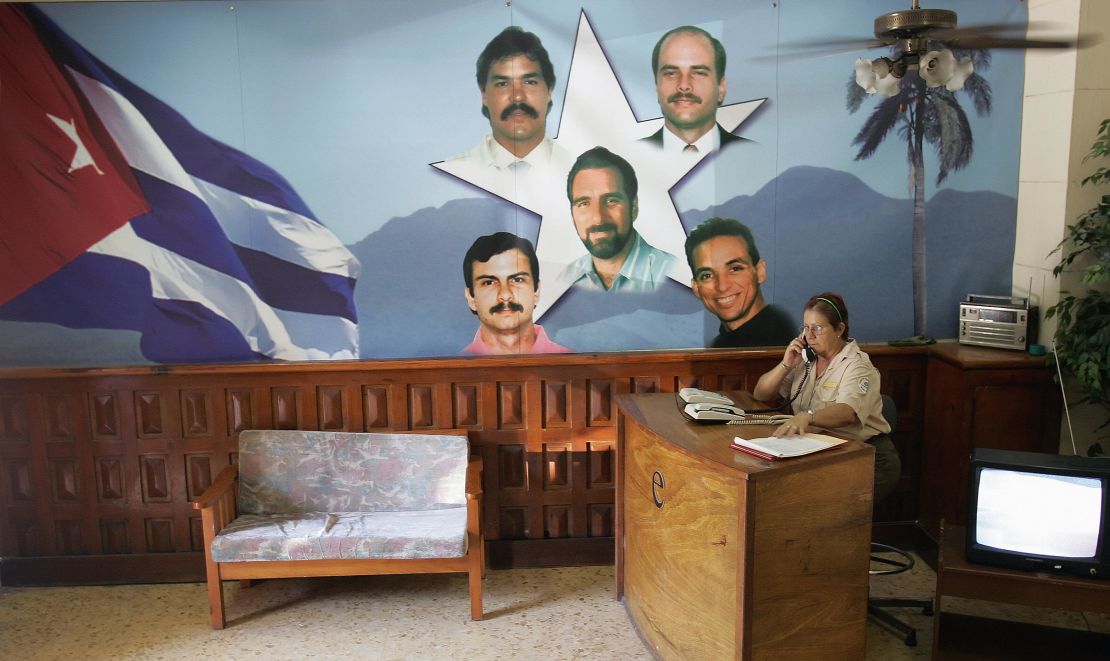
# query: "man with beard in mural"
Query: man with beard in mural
{"points": [[602, 191], [689, 68], [727, 274], [502, 276], [515, 77]]}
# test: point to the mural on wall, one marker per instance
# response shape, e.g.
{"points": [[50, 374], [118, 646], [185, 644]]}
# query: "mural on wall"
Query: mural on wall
{"points": [[495, 178]]}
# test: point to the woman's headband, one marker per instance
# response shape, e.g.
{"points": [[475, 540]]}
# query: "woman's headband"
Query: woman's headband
{"points": [[838, 315]]}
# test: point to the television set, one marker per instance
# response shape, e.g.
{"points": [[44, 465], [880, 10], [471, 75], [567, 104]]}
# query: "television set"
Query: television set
{"points": [[1040, 512]]}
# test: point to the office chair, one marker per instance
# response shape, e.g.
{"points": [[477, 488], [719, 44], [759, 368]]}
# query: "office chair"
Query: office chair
{"points": [[886, 560]]}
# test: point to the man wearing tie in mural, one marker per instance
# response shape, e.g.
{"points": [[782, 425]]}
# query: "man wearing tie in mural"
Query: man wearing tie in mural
{"points": [[689, 68], [502, 277], [602, 191], [727, 274], [517, 158]]}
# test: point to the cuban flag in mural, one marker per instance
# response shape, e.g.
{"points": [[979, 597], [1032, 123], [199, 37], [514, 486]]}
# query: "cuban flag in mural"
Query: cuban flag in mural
{"points": [[115, 213]]}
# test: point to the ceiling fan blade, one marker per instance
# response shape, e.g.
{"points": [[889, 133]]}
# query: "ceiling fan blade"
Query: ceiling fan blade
{"points": [[794, 55], [845, 43], [982, 42], [993, 28]]}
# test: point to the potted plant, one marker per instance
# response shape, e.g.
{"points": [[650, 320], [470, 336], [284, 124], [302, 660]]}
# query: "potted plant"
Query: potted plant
{"points": [[1083, 330]]}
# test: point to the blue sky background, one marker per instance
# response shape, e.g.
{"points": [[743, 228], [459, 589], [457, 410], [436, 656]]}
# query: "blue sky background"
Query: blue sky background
{"points": [[350, 100]]}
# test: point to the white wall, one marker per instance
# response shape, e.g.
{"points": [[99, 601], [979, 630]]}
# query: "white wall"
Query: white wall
{"points": [[1067, 95]]}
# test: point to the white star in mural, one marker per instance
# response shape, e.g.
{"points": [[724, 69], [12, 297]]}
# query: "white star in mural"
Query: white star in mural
{"points": [[596, 113], [81, 157]]}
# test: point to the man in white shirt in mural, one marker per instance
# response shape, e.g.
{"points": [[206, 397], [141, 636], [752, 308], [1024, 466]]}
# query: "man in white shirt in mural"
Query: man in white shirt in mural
{"points": [[689, 68], [517, 160], [602, 190]]}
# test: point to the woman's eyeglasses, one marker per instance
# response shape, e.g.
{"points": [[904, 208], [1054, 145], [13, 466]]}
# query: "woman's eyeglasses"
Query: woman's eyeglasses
{"points": [[814, 330]]}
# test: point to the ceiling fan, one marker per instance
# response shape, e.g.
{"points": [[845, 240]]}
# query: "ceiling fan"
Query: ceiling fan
{"points": [[909, 32]]}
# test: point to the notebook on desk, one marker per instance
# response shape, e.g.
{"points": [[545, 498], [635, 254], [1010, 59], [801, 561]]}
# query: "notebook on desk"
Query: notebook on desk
{"points": [[774, 449]]}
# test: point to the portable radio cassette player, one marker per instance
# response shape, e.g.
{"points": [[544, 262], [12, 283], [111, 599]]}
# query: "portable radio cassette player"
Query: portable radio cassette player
{"points": [[997, 321]]}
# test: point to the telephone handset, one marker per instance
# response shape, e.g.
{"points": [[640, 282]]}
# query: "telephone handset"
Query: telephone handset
{"points": [[808, 354]]}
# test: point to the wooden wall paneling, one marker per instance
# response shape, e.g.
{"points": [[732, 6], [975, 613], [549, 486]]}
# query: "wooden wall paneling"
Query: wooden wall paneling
{"points": [[466, 406], [155, 477], [556, 409], [420, 406], [375, 408], [114, 537], [600, 409], [512, 467], [60, 417], [196, 535], [20, 489], [601, 460], [332, 411], [197, 414], [689, 381], [557, 466], [159, 535], [13, 418], [199, 473], [556, 521], [67, 537], [242, 406], [150, 414], [601, 520], [644, 384], [108, 471], [484, 443], [510, 405], [285, 408], [111, 458], [64, 483], [513, 522], [105, 415]]}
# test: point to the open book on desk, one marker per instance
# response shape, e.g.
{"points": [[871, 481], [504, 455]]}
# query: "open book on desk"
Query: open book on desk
{"points": [[773, 448]]}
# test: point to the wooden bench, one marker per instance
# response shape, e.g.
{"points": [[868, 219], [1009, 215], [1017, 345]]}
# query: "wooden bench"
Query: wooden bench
{"points": [[309, 503]]}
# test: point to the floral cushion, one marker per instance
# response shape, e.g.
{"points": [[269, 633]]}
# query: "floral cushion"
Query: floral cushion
{"points": [[439, 533], [299, 472]]}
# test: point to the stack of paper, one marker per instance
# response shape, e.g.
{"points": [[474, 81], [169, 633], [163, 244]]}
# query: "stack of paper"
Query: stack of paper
{"points": [[788, 446]]}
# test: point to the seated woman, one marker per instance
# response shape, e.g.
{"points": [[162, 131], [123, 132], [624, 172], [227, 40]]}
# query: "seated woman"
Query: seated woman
{"points": [[840, 390]]}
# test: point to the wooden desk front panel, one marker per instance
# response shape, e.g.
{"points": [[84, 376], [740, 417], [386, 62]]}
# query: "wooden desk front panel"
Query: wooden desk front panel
{"points": [[746, 558], [681, 564], [812, 532]]}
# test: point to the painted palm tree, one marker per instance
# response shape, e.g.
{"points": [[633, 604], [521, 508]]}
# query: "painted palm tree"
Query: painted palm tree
{"points": [[922, 115]]}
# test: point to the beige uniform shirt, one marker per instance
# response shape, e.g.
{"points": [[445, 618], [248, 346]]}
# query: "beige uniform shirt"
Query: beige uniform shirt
{"points": [[849, 379]]}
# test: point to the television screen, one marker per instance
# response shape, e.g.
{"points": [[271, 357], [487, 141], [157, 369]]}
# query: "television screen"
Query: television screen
{"points": [[1039, 513]]}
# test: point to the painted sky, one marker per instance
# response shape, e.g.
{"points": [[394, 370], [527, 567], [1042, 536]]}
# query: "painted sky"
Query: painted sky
{"points": [[350, 100]]}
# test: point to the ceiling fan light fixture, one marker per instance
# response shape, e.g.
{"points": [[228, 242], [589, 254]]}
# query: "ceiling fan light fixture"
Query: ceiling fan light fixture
{"points": [[888, 86], [963, 69], [882, 67], [937, 67], [865, 75], [878, 76]]}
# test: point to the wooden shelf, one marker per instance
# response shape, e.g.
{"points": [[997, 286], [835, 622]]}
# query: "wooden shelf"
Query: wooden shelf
{"points": [[956, 577]]}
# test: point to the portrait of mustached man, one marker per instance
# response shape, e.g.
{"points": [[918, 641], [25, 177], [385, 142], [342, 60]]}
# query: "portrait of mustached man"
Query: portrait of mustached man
{"points": [[502, 278], [689, 68], [516, 78]]}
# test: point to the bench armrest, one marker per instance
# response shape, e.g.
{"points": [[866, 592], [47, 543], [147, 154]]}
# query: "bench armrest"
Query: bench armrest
{"points": [[217, 504], [218, 489], [474, 478]]}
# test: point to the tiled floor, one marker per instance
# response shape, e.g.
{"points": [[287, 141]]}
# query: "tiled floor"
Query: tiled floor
{"points": [[564, 613]]}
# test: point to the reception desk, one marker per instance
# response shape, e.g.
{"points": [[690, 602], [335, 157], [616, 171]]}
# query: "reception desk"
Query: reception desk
{"points": [[723, 555]]}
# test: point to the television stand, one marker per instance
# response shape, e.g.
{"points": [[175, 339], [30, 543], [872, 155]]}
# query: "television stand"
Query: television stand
{"points": [[956, 577]]}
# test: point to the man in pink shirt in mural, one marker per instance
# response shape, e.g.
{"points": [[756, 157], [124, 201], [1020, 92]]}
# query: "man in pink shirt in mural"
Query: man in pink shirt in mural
{"points": [[502, 277]]}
